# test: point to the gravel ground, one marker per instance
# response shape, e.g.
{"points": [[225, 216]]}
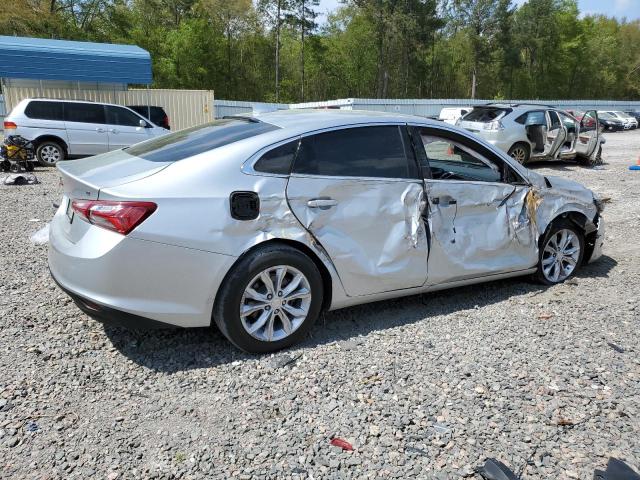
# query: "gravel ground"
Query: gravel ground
{"points": [[545, 379]]}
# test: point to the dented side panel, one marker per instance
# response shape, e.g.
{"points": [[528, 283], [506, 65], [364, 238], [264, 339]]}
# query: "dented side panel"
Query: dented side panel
{"points": [[371, 228], [478, 229]]}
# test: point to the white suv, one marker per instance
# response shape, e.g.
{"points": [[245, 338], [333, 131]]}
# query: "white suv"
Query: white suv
{"points": [[62, 129]]}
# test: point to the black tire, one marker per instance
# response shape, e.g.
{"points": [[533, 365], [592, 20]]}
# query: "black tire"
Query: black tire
{"points": [[226, 310], [553, 230], [520, 152], [46, 153]]}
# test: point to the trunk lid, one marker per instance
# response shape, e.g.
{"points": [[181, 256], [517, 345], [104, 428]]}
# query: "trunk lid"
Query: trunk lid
{"points": [[85, 178]]}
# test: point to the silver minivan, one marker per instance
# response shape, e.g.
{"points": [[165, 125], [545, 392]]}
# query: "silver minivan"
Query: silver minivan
{"points": [[61, 129]]}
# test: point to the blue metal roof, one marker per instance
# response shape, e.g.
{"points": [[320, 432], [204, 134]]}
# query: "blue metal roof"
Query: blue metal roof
{"points": [[44, 59]]}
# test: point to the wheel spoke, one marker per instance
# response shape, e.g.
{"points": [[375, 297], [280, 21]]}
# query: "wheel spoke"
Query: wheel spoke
{"points": [[269, 330], [292, 285], [286, 323], [300, 293], [296, 312], [259, 323], [280, 273], [266, 279], [257, 296], [547, 261], [249, 309]]}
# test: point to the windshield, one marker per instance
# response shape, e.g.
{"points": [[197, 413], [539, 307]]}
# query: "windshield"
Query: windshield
{"points": [[605, 115], [203, 138], [486, 114]]}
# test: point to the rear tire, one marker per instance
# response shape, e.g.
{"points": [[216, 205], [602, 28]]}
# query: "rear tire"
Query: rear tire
{"points": [[49, 153], [279, 311], [561, 253], [520, 152]]}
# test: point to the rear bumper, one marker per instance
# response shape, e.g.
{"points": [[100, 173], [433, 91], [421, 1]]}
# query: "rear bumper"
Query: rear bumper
{"points": [[111, 316], [133, 282]]}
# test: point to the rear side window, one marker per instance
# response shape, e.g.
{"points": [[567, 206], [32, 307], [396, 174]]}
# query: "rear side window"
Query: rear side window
{"points": [[84, 112], [122, 116], [278, 160], [354, 152], [192, 141], [486, 115], [45, 110], [536, 117]]}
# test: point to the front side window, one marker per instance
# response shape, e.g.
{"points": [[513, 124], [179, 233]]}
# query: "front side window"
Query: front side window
{"points": [[84, 112], [354, 152], [449, 159], [202, 138], [41, 110], [278, 160], [122, 116]]}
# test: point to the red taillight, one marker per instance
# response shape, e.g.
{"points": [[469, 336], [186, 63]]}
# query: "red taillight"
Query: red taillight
{"points": [[165, 121], [121, 217], [10, 126]]}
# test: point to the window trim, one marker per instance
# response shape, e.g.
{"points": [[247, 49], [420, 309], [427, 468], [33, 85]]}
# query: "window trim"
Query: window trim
{"points": [[247, 166], [407, 154], [478, 147]]}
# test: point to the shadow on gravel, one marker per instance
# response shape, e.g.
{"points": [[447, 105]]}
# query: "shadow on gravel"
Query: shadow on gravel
{"points": [[175, 350]]}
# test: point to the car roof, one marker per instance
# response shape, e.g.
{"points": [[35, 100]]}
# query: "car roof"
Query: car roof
{"points": [[39, 99], [314, 119]]}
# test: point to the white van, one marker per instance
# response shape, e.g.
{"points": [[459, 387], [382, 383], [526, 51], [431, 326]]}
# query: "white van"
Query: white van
{"points": [[62, 129], [452, 114]]}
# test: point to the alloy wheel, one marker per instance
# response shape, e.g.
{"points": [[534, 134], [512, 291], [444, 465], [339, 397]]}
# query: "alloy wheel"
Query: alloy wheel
{"points": [[275, 303], [560, 255], [519, 154], [50, 154]]}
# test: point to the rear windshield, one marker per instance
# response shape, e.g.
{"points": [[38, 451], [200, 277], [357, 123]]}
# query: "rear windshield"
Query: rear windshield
{"points": [[486, 114], [192, 141]]}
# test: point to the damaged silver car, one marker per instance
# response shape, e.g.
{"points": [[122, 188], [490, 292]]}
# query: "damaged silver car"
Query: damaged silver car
{"points": [[258, 224]]}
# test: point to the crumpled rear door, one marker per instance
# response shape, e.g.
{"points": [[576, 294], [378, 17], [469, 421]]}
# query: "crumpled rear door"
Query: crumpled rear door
{"points": [[371, 228]]}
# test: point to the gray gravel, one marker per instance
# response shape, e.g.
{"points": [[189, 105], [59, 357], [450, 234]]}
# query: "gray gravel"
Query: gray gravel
{"points": [[545, 379]]}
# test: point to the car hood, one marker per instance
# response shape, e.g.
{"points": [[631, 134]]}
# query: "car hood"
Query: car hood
{"points": [[562, 186]]}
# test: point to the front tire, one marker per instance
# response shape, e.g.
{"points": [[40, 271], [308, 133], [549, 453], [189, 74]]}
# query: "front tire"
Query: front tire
{"points": [[520, 152], [49, 153], [561, 252], [269, 300]]}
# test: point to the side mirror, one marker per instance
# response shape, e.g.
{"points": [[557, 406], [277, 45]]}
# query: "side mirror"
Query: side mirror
{"points": [[143, 124]]}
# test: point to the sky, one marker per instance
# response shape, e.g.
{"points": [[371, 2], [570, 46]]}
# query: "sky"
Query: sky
{"points": [[619, 8]]}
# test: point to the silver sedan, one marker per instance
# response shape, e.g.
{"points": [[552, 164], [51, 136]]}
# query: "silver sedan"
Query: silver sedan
{"points": [[258, 224]]}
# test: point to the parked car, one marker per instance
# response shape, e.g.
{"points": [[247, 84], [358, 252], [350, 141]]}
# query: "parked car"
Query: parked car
{"points": [[61, 129], [294, 212], [628, 121], [451, 115], [633, 113], [536, 132], [156, 114], [610, 122]]}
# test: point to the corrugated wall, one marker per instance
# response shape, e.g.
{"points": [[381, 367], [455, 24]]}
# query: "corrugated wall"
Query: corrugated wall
{"points": [[186, 108]]}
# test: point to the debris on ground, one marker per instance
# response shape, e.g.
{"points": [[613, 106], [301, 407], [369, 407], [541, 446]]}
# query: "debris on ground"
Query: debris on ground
{"points": [[341, 443], [41, 237]]}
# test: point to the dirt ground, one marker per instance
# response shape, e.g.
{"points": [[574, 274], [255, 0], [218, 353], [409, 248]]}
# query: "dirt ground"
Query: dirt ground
{"points": [[546, 379]]}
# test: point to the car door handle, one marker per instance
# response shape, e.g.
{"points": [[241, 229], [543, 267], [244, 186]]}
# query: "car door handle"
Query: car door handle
{"points": [[322, 203], [445, 202], [113, 130], [100, 130]]}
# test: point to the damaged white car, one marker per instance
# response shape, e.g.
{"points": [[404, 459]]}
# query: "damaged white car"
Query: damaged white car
{"points": [[258, 224]]}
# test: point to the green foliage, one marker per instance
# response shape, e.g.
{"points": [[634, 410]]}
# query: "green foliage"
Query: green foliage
{"points": [[542, 49]]}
